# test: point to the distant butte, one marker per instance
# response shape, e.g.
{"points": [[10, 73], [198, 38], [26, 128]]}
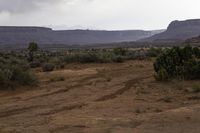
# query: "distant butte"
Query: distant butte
{"points": [[177, 31]]}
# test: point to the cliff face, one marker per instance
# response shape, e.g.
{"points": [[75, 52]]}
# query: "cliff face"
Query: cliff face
{"points": [[188, 24], [177, 31], [20, 36]]}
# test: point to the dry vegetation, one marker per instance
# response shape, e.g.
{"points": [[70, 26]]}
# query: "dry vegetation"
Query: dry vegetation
{"points": [[95, 91], [102, 98]]}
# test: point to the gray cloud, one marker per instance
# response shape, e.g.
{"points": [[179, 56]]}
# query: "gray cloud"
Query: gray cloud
{"points": [[101, 14], [20, 6]]}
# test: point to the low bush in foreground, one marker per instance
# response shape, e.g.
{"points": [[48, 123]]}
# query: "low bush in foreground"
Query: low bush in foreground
{"points": [[48, 67], [196, 88], [178, 63], [15, 75], [57, 79]]}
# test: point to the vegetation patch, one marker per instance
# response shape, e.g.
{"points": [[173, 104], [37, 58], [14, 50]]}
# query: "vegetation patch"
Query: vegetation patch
{"points": [[178, 63], [48, 67], [57, 79], [196, 88], [14, 72]]}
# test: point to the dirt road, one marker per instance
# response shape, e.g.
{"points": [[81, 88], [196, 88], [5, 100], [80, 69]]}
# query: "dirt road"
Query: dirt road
{"points": [[102, 98]]}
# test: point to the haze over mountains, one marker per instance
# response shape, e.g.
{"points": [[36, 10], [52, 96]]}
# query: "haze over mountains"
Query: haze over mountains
{"points": [[177, 31], [21, 36]]}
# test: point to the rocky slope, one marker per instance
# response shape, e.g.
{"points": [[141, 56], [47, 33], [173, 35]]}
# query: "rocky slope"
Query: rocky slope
{"points": [[177, 31], [193, 40]]}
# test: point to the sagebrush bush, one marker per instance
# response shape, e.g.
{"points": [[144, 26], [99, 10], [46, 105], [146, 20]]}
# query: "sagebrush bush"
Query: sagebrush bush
{"points": [[178, 63], [48, 67], [88, 58], [71, 58], [96, 56], [154, 52], [119, 51], [58, 62], [119, 59], [57, 79], [15, 75], [162, 75], [196, 88], [34, 64]]}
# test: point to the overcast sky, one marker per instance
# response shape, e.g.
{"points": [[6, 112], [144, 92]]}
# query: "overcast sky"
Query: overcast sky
{"points": [[97, 14]]}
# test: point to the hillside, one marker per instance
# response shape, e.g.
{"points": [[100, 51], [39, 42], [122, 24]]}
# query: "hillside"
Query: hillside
{"points": [[177, 31], [193, 40], [21, 36]]}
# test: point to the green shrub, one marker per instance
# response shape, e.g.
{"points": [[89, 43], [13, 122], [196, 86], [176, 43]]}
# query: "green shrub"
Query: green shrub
{"points": [[58, 63], [57, 79], [34, 64], [88, 58], [154, 52], [119, 59], [178, 63], [137, 55], [48, 67], [13, 75], [119, 51], [71, 58], [196, 88], [32, 48], [162, 75], [105, 56]]}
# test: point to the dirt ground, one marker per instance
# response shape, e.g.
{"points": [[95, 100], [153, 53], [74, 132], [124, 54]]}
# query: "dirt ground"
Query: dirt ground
{"points": [[102, 98]]}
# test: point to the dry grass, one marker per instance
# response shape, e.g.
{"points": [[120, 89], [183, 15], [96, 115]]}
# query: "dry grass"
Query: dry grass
{"points": [[100, 98]]}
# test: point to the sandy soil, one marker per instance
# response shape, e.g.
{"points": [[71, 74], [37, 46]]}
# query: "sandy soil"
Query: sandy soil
{"points": [[102, 98]]}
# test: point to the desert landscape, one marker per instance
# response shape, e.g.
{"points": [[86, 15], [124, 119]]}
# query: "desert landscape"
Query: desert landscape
{"points": [[101, 98], [99, 66]]}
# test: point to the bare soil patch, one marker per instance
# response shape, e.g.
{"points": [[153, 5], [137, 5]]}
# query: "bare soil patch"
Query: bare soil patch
{"points": [[101, 98]]}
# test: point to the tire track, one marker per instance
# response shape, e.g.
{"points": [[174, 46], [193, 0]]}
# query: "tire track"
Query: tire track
{"points": [[80, 83], [19, 110], [68, 127], [65, 108], [127, 87]]}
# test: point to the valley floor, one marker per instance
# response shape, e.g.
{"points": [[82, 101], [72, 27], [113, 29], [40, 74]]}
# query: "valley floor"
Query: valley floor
{"points": [[102, 98]]}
